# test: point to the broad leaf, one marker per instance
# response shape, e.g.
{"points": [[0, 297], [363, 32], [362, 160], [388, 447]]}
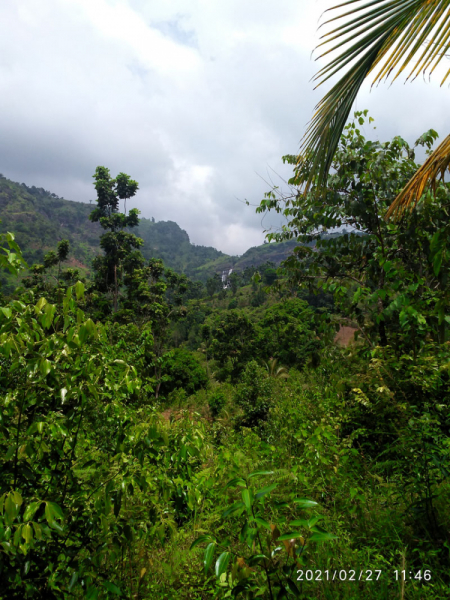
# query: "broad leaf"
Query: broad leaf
{"points": [[222, 563], [209, 554], [261, 493]]}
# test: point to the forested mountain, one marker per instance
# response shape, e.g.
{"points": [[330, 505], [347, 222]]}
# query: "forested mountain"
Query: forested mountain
{"points": [[40, 219]]}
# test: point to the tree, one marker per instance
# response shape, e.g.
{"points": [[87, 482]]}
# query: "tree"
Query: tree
{"points": [[288, 332], [379, 35], [213, 285], [392, 280], [121, 254], [155, 295], [125, 188], [235, 342], [234, 280], [42, 275], [56, 258], [275, 371]]}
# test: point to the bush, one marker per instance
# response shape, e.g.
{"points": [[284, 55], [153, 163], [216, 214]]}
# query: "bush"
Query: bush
{"points": [[254, 396], [183, 371], [233, 304], [216, 402]]}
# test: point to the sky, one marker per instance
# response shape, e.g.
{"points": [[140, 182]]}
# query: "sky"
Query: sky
{"points": [[196, 100]]}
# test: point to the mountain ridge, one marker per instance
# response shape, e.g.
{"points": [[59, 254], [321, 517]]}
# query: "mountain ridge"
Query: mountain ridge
{"points": [[40, 218]]}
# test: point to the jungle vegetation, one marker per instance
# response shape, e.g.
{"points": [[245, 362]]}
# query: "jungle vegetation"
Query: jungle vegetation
{"points": [[164, 439]]}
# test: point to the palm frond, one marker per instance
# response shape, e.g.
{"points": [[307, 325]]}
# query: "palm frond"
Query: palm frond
{"points": [[436, 164], [384, 35]]}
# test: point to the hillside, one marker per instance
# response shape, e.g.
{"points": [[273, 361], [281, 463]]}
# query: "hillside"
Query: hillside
{"points": [[40, 219]]}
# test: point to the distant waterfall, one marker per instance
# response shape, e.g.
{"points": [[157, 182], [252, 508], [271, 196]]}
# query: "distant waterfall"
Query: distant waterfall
{"points": [[226, 279]]}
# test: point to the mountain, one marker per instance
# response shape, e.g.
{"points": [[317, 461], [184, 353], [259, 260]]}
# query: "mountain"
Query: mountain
{"points": [[40, 219]]}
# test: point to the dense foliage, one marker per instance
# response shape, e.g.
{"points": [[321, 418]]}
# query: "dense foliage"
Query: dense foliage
{"points": [[164, 440]]}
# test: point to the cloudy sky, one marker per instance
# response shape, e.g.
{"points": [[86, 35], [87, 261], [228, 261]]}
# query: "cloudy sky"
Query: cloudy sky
{"points": [[195, 99]]}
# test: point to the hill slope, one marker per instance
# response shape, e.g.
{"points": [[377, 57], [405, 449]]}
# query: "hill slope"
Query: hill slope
{"points": [[40, 219]]}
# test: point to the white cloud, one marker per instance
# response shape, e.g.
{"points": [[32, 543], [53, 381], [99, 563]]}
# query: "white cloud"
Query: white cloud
{"points": [[193, 99]]}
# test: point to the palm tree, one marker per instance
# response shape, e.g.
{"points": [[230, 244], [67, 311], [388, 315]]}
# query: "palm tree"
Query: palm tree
{"points": [[274, 370], [383, 35]]}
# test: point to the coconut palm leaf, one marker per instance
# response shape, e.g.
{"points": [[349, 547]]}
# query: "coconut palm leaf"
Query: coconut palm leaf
{"points": [[275, 371], [382, 36], [435, 165]]}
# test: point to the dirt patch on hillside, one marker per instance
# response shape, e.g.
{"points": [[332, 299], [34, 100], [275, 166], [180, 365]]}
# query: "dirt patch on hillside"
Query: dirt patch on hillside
{"points": [[345, 335], [75, 263]]}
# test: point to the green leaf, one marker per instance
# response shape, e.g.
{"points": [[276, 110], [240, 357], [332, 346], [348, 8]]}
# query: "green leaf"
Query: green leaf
{"points": [[200, 540], [234, 482], [11, 509], [280, 505], [31, 510], [262, 522], [290, 536], [312, 522], [37, 530], [17, 497], [83, 334], [292, 587], [52, 512], [247, 498], [7, 312], [261, 493], [320, 535], [73, 580], [255, 559], [49, 313], [27, 533], [45, 366], [92, 593], [232, 509], [299, 523], [57, 527], [209, 554], [40, 303], [112, 588], [260, 474], [305, 503], [9, 453], [79, 289], [222, 563]]}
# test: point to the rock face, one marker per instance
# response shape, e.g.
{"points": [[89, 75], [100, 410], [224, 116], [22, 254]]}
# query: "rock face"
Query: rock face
{"points": [[345, 335]]}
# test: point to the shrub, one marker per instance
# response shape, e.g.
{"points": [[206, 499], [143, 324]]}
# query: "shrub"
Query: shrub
{"points": [[183, 370], [254, 395], [233, 304], [216, 402]]}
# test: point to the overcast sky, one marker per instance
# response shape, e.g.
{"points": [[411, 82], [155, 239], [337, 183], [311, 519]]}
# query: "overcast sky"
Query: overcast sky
{"points": [[196, 100]]}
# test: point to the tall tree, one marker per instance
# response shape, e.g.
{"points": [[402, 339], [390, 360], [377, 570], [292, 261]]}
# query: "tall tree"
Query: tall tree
{"points": [[155, 295], [384, 36], [121, 254], [125, 188]]}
